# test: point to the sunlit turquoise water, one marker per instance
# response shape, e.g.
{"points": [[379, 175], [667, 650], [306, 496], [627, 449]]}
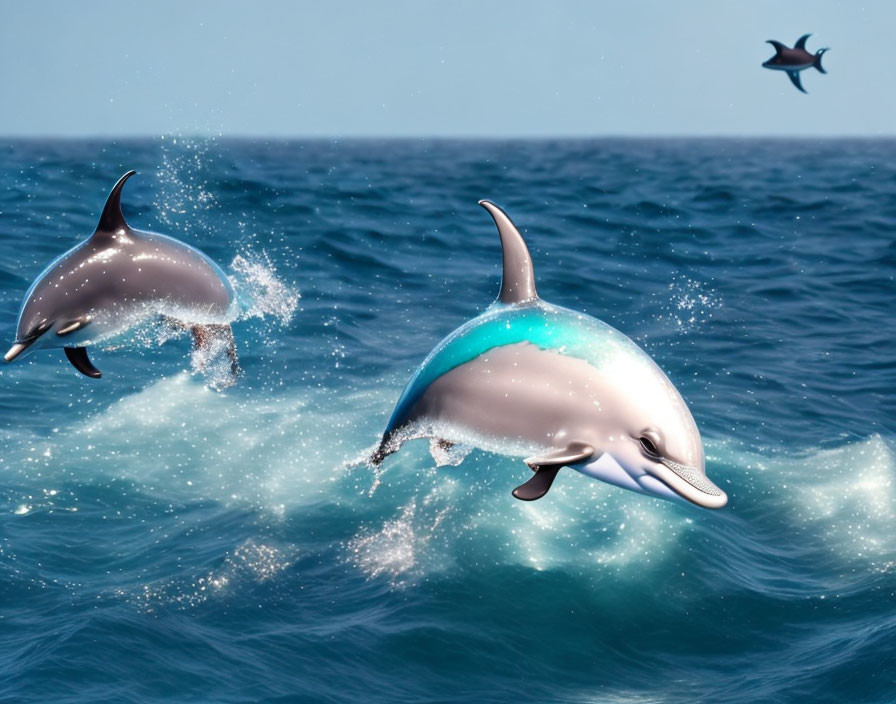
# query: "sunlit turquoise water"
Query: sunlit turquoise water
{"points": [[160, 541]]}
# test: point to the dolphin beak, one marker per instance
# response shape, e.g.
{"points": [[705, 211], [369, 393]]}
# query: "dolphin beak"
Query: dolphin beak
{"points": [[15, 351], [689, 483]]}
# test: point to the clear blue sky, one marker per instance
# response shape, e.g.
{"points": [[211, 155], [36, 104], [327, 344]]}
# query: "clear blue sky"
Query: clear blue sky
{"points": [[453, 68]]}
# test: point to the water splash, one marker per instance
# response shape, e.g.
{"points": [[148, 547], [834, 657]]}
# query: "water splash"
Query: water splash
{"points": [[447, 454], [687, 303], [260, 291], [399, 549], [248, 565], [261, 295], [183, 194]]}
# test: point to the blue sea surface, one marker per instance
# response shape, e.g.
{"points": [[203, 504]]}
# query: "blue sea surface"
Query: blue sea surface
{"points": [[161, 541]]}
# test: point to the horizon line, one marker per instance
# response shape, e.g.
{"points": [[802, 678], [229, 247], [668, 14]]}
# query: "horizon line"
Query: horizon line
{"points": [[434, 137]]}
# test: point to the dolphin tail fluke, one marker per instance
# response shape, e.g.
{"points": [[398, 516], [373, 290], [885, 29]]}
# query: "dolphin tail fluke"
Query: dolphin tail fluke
{"points": [[801, 42], [379, 455], [817, 64], [210, 340], [795, 79], [112, 219], [78, 357], [518, 280], [390, 444]]}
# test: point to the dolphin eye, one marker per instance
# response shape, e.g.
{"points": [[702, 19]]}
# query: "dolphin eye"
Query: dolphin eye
{"points": [[649, 446]]}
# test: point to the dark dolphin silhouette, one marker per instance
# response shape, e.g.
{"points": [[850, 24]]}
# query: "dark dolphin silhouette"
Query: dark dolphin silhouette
{"points": [[116, 279], [794, 60], [557, 387]]}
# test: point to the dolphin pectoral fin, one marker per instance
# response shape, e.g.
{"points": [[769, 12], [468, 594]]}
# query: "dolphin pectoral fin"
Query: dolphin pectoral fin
{"points": [[78, 357], [779, 47], [538, 485], [571, 454], [795, 79], [546, 467]]}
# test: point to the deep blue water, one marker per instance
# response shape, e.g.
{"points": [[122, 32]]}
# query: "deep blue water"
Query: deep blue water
{"points": [[161, 541]]}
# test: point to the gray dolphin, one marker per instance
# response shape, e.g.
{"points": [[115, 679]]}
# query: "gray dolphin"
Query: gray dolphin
{"points": [[794, 60], [555, 386], [118, 278]]}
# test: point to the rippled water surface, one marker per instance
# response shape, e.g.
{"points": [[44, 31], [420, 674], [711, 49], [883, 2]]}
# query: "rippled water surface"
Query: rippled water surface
{"points": [[162, 541]]}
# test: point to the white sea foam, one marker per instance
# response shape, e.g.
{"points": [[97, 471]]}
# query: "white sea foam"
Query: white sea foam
{"points": [[400, 547], [845, 497], [249, 564], [178, 439], [466, 512], [272, 452]]}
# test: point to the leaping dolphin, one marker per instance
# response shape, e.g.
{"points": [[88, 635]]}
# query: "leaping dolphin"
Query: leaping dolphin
{"points": [[116, 279], [794, 60], [559, 386]]}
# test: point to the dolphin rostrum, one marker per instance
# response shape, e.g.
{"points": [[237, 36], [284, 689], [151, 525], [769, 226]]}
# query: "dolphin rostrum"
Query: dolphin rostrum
{"points": [[116, 279], [555, 386], [794, 60]]}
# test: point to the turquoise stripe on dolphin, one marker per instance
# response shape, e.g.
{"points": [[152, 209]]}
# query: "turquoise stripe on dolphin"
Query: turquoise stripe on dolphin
{"points": [[559, 388], [547, 326]]}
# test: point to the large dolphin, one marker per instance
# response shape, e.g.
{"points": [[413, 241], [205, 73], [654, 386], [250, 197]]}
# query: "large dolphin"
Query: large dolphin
{"points": [[794, 60], [558, 387], [116, 279]]}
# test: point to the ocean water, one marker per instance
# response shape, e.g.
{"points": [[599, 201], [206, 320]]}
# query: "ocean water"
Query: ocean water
{"points": [[161, 541]]}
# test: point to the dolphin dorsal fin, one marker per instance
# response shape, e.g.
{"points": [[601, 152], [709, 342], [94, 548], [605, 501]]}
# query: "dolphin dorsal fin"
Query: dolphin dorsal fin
{"points": [[779, 47], [801, 42], [112, 220], [518, 279]]}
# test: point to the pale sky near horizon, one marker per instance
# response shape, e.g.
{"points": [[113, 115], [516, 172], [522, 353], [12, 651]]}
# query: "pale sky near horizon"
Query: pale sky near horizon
{"points": [[402, 68]]}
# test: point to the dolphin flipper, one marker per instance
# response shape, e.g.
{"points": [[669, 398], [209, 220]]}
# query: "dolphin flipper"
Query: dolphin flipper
{"points": [[546, 468], [538, 485], [78, 357], [795, 79], [801, 42], [779, 47]]}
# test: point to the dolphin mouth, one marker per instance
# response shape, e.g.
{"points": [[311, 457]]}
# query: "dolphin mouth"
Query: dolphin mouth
{"points": [[17, 349], [22, 344], [689, 483]]}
